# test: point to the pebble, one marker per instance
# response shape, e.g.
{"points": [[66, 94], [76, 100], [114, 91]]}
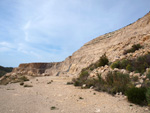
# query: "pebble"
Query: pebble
{"points": [[120, 93], [84, 85], [91, 87], [146, 109], [97, 111], [141, 81], [138, 86]]}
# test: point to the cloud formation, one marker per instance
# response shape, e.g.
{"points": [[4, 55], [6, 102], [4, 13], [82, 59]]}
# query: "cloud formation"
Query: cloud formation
{"points": [[51, 30]]}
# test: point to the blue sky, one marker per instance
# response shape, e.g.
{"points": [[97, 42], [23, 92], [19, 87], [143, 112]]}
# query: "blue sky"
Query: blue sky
{"points": [[51, 30]]}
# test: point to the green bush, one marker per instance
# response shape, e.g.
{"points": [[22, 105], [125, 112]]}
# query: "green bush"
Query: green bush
{"points": [[133, 49], [118, 82], [99, 83], [84, 75], [90, 82], [138, 65], [124, 63], [76, 82], [115, 64], [129, 67], [81, 79], [114, 82], [137, 95], [121, 64], [148, 96], [103, 61], [100, 79]]}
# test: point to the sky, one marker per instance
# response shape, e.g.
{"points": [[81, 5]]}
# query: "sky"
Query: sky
{"points": [[51, 30]]}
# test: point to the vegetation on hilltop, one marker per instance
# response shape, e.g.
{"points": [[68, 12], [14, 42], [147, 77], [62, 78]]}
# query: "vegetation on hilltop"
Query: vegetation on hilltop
{"points": [[4, 70]]}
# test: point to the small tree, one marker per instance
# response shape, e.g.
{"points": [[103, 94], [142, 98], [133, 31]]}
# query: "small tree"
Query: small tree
{"points": [[103, 60]]}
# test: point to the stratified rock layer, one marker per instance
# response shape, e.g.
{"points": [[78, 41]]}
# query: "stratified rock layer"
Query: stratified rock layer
{"points": [[33, 68]]}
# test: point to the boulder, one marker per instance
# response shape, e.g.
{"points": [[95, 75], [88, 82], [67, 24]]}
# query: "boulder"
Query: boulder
{"points": [[138, 86]]}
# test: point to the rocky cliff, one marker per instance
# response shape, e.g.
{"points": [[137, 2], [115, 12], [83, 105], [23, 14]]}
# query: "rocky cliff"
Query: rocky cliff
{"points": [[34, 68], [112, 44]]}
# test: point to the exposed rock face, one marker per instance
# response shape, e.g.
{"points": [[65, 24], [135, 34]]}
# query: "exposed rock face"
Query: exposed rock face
{"points": [[113, 44], [26, 71], [33, 68]]}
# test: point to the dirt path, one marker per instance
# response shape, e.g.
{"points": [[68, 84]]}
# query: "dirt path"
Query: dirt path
{"points": [[58, 97]]}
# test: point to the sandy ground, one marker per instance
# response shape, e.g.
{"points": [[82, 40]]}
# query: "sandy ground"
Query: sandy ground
{"points": [[58, 97]]}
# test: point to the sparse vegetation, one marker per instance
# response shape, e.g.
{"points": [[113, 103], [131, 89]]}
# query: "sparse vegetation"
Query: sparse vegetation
{"points": [[53, 108], [24, 78], [21, 83], [90, 82], [81, 98], [69, 83], [82, 79], [138, 64], [49, 82], [10, 89], [76, 82], [115, 64], [133, 49], [122, 64], [27, 85], [113, 83], [129, 67], [103, 61], [84, 75], [117, 82]]}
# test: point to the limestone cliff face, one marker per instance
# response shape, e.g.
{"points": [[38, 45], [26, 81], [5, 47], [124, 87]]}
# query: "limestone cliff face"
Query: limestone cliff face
{"points": [[113, 44], [33, 68]]}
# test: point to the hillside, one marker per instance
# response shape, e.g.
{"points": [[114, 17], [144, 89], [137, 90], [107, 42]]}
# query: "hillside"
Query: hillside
{"points": [[113, 44], [4, 70]]}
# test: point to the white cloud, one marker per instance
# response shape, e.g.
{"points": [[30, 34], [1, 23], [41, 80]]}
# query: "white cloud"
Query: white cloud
{"points": [[6, 44]]}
